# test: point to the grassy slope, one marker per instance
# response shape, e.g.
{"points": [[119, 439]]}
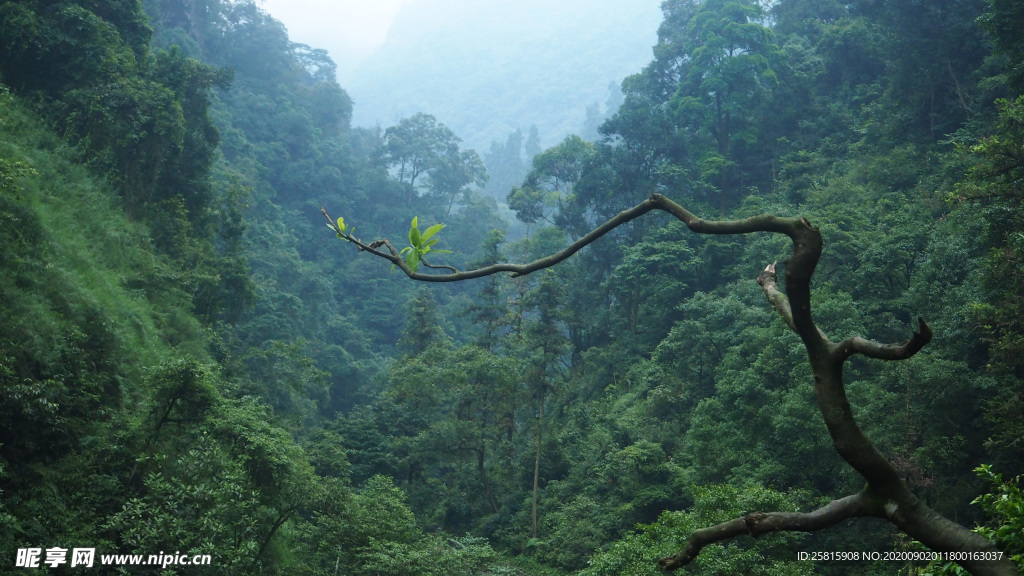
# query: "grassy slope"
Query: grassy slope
{"points": [[71, 254]]}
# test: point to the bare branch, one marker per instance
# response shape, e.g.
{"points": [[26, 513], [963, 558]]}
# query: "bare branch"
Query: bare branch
{"points": [[767, 279], [547, 262], [453, 269], [871, 349], [778, 300], [760, 523]]}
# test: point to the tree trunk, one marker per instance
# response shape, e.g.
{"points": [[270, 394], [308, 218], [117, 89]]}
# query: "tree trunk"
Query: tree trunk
{"points": [[536, 472]]}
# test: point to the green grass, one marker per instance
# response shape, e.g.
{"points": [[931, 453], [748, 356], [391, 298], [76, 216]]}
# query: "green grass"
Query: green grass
{"points": [[75, 273]]}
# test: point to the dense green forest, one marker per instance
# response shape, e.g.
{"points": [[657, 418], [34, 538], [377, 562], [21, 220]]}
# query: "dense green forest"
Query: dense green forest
{"points": [[191, 364]]}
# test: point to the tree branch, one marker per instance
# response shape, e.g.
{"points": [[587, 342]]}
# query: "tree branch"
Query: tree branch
{"points": [[763, 223], [886, 495], [776, 298], [759, 523], [453, 269], [871, 349]]}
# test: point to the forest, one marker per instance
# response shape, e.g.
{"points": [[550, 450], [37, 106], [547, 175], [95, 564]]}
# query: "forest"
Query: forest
{"points": [[609, 366]]}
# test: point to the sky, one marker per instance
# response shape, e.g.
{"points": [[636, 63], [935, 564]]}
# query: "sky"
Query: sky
{"points": [[348, 29], [484, 68]]}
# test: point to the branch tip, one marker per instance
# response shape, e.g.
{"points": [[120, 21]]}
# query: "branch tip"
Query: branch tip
{"points": [[924, 331], [872, 349]]}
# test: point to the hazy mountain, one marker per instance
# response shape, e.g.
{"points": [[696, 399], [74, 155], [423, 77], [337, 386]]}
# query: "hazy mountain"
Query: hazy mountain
{"points": [[487, 68]]}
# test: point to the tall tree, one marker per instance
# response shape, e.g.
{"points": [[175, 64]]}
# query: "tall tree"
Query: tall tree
{"points": [[1003, 22], [421, 146], [544, 343], [549, 190], [505, 165], [727, 74]]}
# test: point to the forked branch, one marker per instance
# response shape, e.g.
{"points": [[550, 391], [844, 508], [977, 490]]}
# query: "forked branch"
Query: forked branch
{"points": [[886, 495]]}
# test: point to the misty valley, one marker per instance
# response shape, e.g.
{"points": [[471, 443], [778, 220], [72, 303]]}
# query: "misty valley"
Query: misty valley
{"points": [[729, 287]]}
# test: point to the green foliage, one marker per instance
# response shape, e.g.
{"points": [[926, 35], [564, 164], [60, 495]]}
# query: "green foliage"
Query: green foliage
{"points": [[177, 512], [290, 381], [186, 366], [435, 556], [649, 280], [1004, 507], [10, 171], [638, 553], [423, 327], [421, 146], [1001, 21], [804, 117], [993, 187], [343, 230], [505, 165], [183, 392], [69, 45], [548, 191], [119, 428], [420, 243]]}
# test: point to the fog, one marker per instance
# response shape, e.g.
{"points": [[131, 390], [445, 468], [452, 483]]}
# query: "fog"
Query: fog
{"points": [[349, 29], [485, 69]]}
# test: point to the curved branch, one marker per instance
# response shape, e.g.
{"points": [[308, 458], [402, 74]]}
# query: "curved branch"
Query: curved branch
{"points": [[762, 223], [902, 508], [887, 490], [871, 349], [372, 248], [453, 269], [546, 262], [760, 523]]}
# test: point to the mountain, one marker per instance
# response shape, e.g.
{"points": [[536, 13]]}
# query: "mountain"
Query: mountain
{"points": [[487, 68]]}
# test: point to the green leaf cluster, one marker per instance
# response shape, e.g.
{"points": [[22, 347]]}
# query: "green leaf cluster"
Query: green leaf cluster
{"points": [[420, 244], [1004, 506], [342, 230]]}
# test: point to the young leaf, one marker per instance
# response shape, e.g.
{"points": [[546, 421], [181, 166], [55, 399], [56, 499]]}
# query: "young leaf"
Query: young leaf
{"points": [[431, 231], [413, 260], [414, 237]]}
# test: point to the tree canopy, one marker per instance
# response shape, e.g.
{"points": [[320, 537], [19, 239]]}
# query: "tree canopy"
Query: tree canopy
{"points": [[186, 364]]}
